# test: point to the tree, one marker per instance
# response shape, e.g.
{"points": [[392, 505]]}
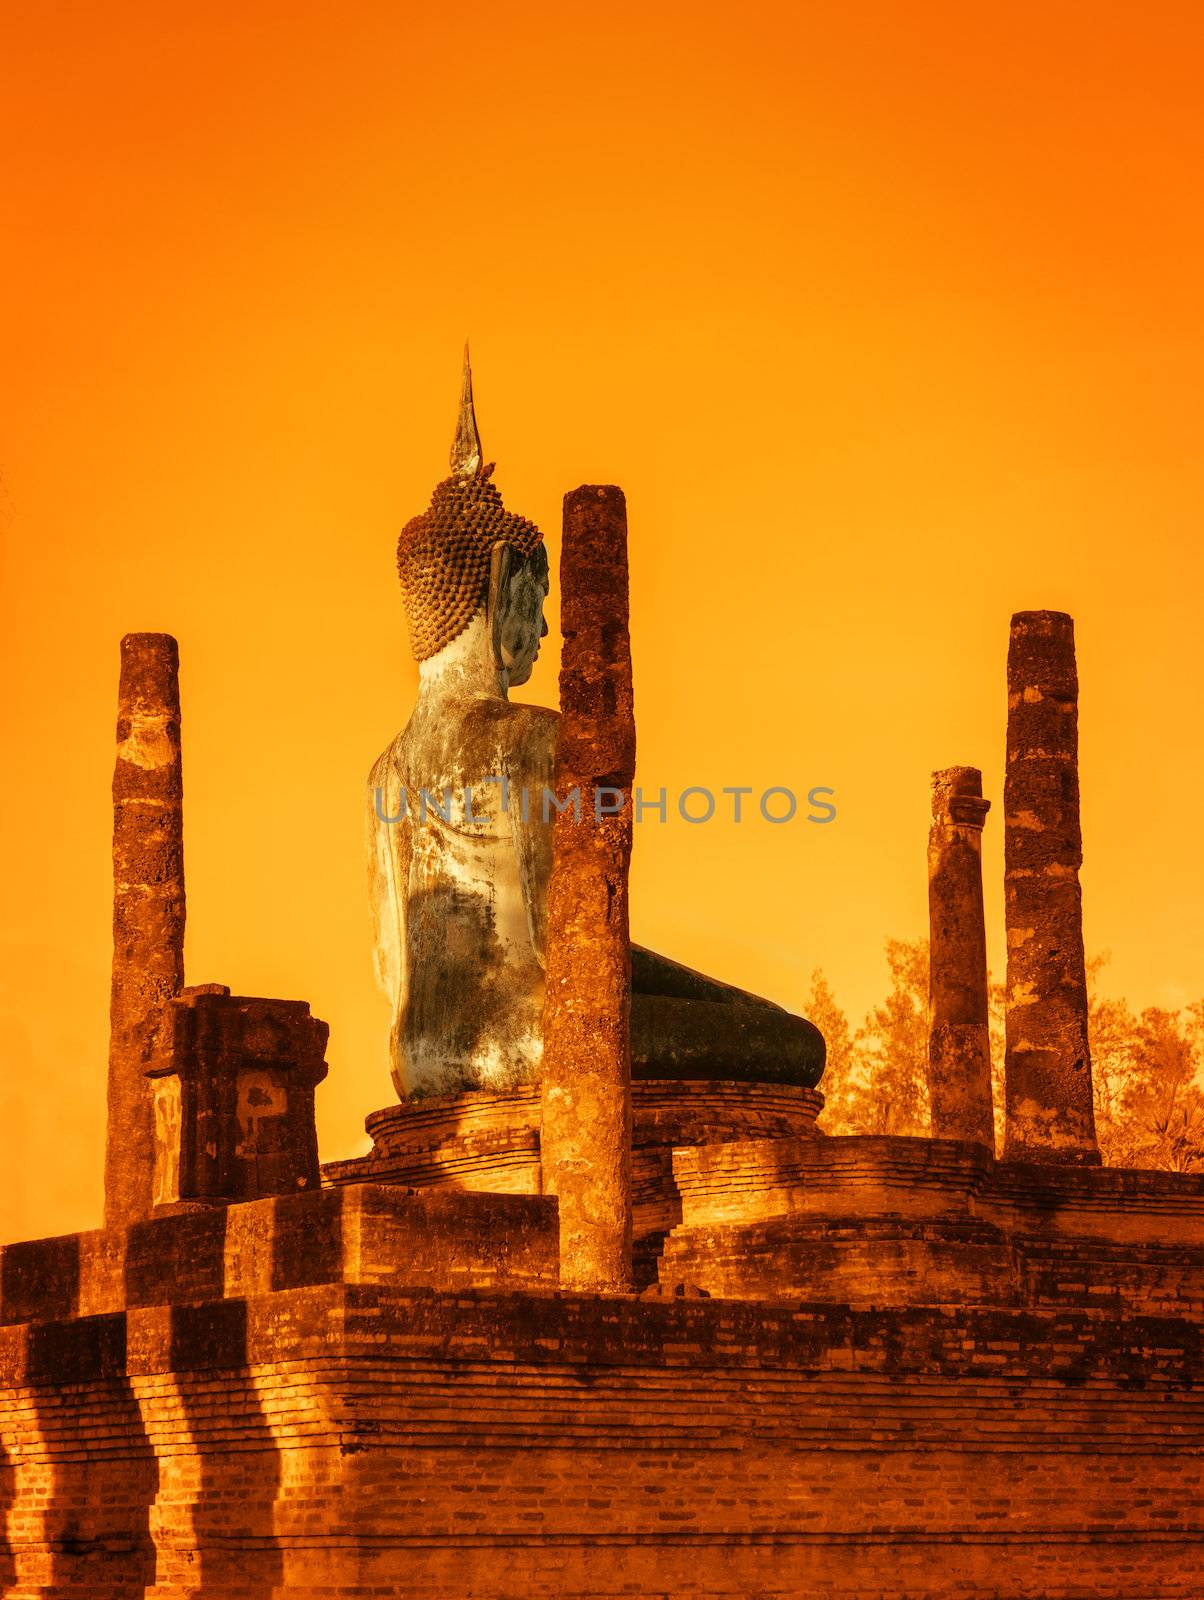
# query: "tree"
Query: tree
{"points": [[1111, 1030], [876, 1080], [996, 1014], [1147, 1069], [1149, 1106], [894, 1044], [841, 1064], [1162, 1106]]}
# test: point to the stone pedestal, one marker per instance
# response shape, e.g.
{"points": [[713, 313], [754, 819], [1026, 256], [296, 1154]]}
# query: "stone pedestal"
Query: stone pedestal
{"points": [[1050, 1116], [148, 909], [234, 1098], [959, 1040], [489, 1142], [586, 1080]]}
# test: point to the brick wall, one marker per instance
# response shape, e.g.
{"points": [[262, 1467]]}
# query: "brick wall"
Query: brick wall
{"points": [[365, 1234], [889, 1221], [927, 1375], [361, 1440]]}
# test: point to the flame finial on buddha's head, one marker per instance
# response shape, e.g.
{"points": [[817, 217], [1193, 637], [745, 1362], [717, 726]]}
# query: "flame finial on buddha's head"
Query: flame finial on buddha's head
{"points": [[444, 555]]}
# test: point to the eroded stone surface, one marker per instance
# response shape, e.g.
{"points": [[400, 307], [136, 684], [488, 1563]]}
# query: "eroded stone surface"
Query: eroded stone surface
{"points": [[234, 1097], [1050, 1116], [148, 909], [586, 1134], [357, 1439], [959, 1044]]}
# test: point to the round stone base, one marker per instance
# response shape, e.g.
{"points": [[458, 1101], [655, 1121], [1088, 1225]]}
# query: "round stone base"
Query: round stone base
{"points": [[490, 1141]]}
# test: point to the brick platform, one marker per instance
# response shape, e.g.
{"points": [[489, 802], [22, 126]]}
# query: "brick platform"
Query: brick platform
{"points": [[891, 1221], [354, 1440], [368, 1391], [490, 1142]]}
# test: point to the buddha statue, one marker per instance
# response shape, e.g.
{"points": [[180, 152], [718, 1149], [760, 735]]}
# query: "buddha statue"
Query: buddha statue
{"points": [[460, 832]]}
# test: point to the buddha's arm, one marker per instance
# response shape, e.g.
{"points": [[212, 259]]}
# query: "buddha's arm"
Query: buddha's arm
{"points": [[533, 755], [386, 881]]}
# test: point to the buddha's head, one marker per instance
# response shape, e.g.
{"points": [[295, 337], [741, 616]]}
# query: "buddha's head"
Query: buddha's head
{"points": [[517, 613], [467, 556]]}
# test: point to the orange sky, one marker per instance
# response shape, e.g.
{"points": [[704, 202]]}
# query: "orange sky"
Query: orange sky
{"points": [[887, 317]]}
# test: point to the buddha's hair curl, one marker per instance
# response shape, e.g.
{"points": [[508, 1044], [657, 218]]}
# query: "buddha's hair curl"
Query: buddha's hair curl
{"points": [[443, 557]]}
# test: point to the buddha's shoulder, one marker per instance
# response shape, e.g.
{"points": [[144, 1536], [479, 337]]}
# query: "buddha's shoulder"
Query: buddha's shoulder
{"points": [[485, 734], [507, 714], [518, 737]]}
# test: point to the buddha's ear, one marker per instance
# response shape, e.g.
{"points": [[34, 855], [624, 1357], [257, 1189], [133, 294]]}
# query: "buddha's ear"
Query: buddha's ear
{"points": [[499, 578]]}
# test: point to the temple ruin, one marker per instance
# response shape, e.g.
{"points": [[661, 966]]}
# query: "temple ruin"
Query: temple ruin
{"points": [[605, 1311]]}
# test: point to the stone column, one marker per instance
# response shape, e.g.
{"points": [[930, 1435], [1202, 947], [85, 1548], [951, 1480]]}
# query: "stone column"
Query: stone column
{"points": [[586, 1084], [148, 910], [1050, 1117], [959, 1040]]}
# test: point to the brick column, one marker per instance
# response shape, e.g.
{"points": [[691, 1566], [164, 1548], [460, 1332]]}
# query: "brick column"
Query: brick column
{"points": [[959, 1042], [1050, 1117], [148, 909], [586, 1083], [234, 1097]]}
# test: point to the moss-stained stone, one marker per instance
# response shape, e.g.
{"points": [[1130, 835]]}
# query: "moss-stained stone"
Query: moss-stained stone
{"points": [[1048, 1064], [586, 1137], [959, 1045], [148, 909]]}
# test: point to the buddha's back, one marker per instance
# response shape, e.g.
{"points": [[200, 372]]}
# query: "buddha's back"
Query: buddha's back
{"points": [[460, 854]]}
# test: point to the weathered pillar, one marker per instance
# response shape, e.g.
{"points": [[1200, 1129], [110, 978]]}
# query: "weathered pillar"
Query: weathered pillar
{"points": [[148, 910], [1050, 1117], [959, 1037], [586, 1093]]}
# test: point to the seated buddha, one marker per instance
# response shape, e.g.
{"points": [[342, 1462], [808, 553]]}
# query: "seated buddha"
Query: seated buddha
{"points": [[460, 834]]}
